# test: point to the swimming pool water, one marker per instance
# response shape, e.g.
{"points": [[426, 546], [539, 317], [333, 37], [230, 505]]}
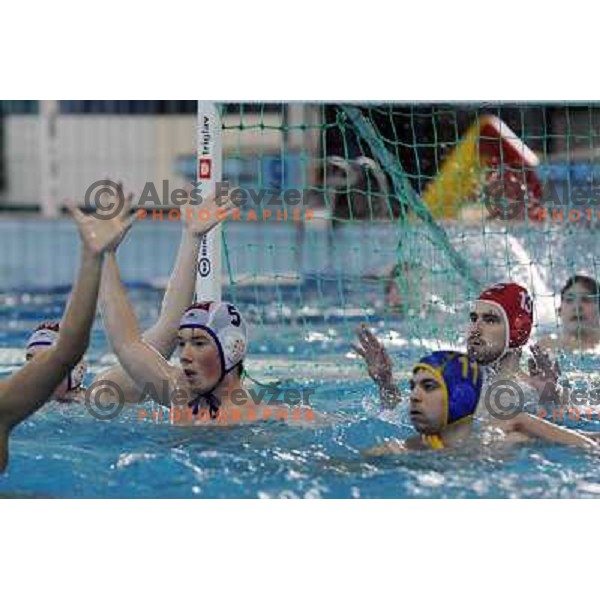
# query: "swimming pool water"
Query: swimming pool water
{"points": [[62, 451]]}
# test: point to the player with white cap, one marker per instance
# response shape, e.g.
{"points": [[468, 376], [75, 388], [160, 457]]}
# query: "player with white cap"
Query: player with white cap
{"points": [[178, 295], [212, 341], [45, 336]]}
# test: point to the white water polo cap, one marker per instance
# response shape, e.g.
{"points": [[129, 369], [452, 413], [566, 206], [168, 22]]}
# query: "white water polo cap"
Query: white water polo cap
{"points": [[46, 334], [225, 324]]}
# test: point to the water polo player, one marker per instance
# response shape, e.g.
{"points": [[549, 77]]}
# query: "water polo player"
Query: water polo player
{"points": [[501, 323], [445, 391], [178, 295]]}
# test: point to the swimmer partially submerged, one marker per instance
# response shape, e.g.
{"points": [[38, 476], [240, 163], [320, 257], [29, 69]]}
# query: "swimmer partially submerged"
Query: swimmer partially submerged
{"points": [[500, 325], [179, 294], [212, 339], [445, 391], [206, 388]]}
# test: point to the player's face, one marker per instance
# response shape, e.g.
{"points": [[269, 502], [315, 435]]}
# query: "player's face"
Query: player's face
{"points": [[487, 333], [427, 411], [63, 386], [579, 310], [199, 359]]}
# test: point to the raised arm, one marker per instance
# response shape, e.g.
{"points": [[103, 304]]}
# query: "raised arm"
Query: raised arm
{"points": [[143, 358], [29, 388], [182, 282], [161, 336], [178, 295], [379, 366], [141, 361]]}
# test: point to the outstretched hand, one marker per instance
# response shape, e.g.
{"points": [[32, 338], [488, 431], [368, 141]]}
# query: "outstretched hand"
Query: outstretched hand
{"points": [[543, 373], [201, 217], [100, 235], [125, 207], [375, 356]]}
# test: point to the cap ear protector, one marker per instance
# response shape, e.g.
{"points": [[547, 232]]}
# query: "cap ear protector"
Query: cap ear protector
{"points": [[461, 382], [46, 334]]}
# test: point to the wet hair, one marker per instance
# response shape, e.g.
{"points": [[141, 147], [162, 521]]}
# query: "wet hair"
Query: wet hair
{"points": [[589, 283]]}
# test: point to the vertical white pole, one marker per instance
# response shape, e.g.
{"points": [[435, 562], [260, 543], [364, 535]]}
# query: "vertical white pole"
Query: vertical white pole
{"points": [[209, 170], [48, 114]]}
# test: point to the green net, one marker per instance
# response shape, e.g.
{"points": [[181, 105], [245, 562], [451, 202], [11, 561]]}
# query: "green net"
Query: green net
{"points": [[391, 214], [417, 207]]}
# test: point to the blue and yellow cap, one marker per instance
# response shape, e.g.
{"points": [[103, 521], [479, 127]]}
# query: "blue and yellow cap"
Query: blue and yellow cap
{"points": [[461, 380]]}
